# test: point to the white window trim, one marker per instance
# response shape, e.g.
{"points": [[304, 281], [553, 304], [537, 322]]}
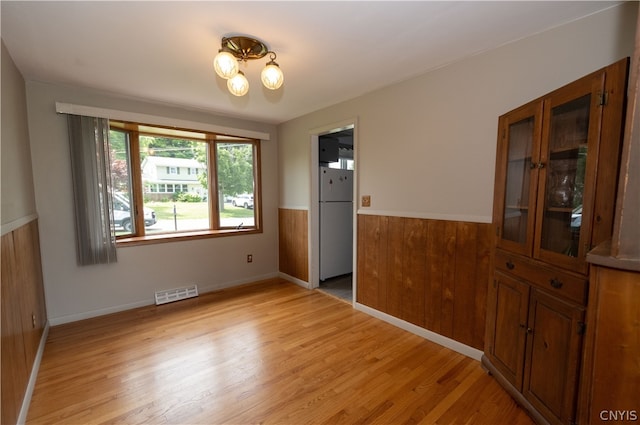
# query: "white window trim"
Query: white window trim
{"points": [[114, 114]]}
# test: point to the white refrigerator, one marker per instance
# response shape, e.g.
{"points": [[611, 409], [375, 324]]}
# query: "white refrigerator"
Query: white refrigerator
{"points": [[336, 222]]}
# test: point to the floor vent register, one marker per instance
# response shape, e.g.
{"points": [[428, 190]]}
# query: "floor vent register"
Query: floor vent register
{"points": [[171, 295]]}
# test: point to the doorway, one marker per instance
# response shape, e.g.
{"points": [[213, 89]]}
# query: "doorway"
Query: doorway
{"points": [[332, 215]]}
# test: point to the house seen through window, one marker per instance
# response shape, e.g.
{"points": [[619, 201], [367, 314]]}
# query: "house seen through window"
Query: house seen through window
{"points": [[183, 181]]}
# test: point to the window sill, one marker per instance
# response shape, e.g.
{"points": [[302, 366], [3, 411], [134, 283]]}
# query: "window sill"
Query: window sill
{"points": [[179, 237]]}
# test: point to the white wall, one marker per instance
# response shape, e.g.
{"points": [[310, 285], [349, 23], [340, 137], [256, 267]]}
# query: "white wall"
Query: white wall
{"points": [[426, 147], [18, 199], [74, 292]]}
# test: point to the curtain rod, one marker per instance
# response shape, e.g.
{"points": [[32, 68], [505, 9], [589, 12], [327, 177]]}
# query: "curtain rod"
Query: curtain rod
{"points": [[91, 111]]}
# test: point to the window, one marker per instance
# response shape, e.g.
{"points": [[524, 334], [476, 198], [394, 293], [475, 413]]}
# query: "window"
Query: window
{"points": [[185, 182], [343, 164]]}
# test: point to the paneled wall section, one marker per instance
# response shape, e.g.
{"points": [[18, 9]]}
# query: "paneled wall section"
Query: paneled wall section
{"points": [[431, 273], [293, 243], [23, 315]]}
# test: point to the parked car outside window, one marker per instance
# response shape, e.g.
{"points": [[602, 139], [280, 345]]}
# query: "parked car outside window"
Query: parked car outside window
{"points": [[122, 215], [245, 201]]}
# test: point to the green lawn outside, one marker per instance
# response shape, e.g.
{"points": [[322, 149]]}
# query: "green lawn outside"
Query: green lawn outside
{"points": [[194, 210]]}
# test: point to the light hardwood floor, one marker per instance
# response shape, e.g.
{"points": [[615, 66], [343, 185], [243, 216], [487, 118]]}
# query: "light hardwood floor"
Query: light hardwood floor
{"points": [[271, 352]]}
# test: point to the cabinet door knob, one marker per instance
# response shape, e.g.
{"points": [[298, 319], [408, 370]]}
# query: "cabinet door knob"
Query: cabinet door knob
{"points": [[510, 265], [540, 164], [555, 283]]}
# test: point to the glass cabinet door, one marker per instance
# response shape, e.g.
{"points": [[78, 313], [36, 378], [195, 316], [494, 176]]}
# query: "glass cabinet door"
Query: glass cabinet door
{"points": [[571, 128], [518, 170]]}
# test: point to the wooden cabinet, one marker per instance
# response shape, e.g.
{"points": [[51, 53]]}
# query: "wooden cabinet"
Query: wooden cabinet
{"points": [[554, 342], [508, 306], [534, 342], [553, 153], [556, 173]]}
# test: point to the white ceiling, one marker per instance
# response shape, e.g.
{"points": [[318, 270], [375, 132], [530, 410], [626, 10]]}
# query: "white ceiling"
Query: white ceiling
{"points": [[330, 51]]}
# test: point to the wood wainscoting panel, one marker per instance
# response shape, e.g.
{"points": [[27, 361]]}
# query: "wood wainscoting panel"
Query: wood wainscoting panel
{"points": [[14, 368], [372, 260], [293, 243], [414, 271], [29, 267], [443, 303], [432, 273], [473, 252], [23, 315], [435, 275], [393, 287]]}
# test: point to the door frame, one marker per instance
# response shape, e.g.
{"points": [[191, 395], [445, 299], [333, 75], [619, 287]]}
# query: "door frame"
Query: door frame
{"points": [[314, 199]]}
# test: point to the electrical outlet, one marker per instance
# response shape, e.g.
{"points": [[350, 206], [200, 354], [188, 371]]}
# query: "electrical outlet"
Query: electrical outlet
{"points": [[366, 200], [249, 258]]}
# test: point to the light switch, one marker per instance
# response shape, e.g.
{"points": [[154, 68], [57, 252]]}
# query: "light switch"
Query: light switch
{"points": [[366, 200]]}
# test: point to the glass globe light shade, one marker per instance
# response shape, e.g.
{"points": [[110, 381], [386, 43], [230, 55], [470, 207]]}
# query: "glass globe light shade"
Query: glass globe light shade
{"points": [[226, 65], [272, 76], [238, 84]]}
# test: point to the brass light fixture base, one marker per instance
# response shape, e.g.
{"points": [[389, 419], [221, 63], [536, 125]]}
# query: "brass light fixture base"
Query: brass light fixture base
{"points": [[244, 48]]}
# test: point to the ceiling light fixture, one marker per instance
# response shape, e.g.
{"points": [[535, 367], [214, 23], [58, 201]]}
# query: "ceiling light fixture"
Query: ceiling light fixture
{"points": [[241, 48]]}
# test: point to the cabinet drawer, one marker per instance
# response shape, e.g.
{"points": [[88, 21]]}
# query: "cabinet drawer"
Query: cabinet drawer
{"points": [[553, 281]]}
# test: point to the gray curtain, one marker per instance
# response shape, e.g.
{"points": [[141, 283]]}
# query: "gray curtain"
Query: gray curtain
{"points": [[91, 175]]}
